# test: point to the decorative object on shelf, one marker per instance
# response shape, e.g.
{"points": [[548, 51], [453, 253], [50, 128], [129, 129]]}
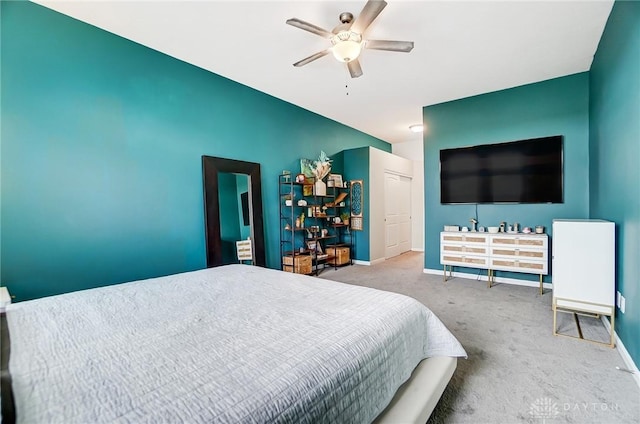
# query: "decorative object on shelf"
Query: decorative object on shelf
{"points": [[452, 228], [526, 230], [307, 189], [324, 232], [516, 227], [356, 223], [481, 229], [465, 229], [286, 176], [287, 227], [288, 202], [302, 202], [345, 218], [315, 211], [317, 169], [298, 222], [503, 227], [335, 180], [473, 222], [357, 191], [319, 188], [493, 230], [300, 178], [314, 246], [539, 229]]}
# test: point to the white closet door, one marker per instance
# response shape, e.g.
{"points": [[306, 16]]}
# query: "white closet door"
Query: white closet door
{"points": [[397, 214]]}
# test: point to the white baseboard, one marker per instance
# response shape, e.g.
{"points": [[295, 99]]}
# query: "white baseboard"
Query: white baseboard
{"points": [[626, 358], [417, 249], [373, 262], [483, 277]]}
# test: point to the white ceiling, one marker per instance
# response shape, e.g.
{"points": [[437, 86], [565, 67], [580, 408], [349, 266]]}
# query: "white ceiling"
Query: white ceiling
{"points": [[461, 49]]}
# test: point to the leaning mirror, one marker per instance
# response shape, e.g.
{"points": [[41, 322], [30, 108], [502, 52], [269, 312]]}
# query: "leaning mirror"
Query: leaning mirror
{"points": [[232, 208]]}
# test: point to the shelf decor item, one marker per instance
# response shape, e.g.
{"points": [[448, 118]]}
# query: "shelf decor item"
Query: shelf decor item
{"points": [[335, 180], [345, 218], [318, 169]]}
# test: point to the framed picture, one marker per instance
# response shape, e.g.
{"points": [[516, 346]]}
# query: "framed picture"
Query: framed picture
{"points": [[334, 180], [307, 188], [356, 198], [314, 246]]}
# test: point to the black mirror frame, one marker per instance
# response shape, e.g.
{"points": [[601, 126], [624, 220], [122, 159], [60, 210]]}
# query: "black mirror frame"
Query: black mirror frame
{"points": [[211, 166]]}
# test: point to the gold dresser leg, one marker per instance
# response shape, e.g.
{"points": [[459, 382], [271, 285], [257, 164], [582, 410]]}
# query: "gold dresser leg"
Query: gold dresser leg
{"points": [[541, 292], [613, 322]]}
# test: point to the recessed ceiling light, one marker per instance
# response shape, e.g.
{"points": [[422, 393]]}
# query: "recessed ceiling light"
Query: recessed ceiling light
{"points": [[418, 128]]}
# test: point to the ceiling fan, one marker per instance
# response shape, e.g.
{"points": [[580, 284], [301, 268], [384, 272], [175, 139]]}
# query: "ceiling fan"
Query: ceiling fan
{"points": [[347, 38]]}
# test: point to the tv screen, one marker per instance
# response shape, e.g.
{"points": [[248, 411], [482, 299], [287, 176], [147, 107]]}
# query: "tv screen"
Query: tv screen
{"points": [[526, 171]]}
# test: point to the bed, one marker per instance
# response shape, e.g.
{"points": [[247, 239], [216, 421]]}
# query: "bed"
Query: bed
{"points": [[235, 343]]}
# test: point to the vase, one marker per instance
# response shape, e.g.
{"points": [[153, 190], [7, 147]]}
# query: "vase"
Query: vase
{"points": [[320, 188]]}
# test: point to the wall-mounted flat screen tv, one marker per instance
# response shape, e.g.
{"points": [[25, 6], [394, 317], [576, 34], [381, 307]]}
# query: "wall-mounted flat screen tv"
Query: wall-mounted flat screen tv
{"points": [[525, 171]]}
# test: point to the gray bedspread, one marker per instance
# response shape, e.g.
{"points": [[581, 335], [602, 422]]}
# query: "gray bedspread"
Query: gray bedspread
{"points": [[230, 344]]}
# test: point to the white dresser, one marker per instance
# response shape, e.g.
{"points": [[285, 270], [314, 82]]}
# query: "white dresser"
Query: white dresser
{"points": [[584, 269], [517, 252]]}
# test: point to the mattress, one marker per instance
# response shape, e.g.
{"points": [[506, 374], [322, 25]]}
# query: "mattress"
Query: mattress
{"points": [[230, 344]]}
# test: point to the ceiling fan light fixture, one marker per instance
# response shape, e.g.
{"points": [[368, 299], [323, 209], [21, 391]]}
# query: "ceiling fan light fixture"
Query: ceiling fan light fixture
{"points": [[347, 46], [418, 128]]}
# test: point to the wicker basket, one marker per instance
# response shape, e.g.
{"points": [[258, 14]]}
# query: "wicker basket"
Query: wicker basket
{"points": [[342, 255], [302, 264]]}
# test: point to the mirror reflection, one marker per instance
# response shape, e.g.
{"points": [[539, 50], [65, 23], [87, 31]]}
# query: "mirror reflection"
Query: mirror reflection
{"points": [[235, 222]]}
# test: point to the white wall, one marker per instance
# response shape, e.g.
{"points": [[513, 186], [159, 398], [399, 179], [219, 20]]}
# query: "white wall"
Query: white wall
{"points": [[379, 163], [413, 150]]}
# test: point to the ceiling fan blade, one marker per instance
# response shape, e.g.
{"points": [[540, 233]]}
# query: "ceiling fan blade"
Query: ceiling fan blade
{"points": [[309, 27], [369, 13], [354, 68], [311, 58], [394, 46]]}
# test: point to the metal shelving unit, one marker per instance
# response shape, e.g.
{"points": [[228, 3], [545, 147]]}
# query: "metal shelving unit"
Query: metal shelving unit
{"points": [[304, 245]]}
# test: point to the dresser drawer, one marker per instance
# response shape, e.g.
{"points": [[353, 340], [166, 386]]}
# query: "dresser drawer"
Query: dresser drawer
{"points": [[461, 248], [512, 240], [464, 260], [464, 238], [519, 265], [511, 252]]}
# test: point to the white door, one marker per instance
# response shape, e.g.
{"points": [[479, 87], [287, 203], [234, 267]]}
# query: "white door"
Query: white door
{"points": [[397, 195]]}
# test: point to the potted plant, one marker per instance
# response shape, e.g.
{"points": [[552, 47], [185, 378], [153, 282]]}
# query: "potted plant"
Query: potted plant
{"points": [[344, 216]]}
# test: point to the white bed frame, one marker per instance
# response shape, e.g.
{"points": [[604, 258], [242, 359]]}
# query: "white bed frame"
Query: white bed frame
{"points": [[415, 399]]}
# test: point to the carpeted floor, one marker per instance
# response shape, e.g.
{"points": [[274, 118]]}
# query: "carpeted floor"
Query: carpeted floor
{"points": [[517, 371]]}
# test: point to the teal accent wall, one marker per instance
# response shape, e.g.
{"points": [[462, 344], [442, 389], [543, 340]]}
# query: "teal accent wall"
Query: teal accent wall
{"points": [[554, 107], [356, 166], [102, 141], [614, 178]]}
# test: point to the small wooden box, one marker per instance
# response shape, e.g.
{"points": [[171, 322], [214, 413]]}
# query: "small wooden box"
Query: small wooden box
{"points": [[342, 255], [302, 264]]}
